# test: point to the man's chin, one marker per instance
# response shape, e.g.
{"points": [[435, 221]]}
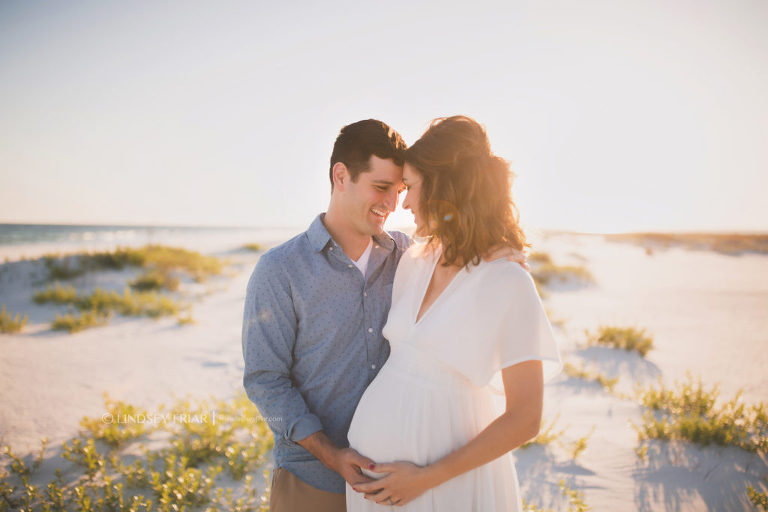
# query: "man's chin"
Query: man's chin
{"points": [[376, 227]]}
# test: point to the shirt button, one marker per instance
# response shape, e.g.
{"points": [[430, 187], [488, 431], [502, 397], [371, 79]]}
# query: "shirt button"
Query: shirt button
{"points": [[373, 367], [365, 294], [370, 329], [350, 265], [330, 249]]}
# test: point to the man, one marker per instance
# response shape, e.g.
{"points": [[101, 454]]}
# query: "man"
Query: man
{"points": [[314, 311]]}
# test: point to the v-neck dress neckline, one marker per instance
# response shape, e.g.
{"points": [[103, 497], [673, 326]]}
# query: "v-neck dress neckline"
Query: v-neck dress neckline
{"points": [[425, 287]]}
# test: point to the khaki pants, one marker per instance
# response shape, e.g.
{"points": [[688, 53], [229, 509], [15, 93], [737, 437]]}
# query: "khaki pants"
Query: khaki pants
{"points": [[289, 494]]}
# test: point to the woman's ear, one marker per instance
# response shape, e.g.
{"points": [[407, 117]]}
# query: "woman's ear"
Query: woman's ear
{"points": [[340, 175]]}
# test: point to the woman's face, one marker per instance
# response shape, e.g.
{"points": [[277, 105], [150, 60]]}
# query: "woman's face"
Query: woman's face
{"points": [[412, 182]]}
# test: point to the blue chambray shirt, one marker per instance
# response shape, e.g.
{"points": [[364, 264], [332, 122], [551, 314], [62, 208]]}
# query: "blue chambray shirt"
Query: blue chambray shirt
{"points": [[312, 341]]}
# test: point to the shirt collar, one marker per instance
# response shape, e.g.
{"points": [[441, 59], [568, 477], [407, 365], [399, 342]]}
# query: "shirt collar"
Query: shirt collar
{"points": [[317, 234], [385, 240], [319, 237]]}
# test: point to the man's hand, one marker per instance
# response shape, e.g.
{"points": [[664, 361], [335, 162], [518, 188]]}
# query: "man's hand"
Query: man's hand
{"points": [[349, 463], [504, 251], [345, 461]]}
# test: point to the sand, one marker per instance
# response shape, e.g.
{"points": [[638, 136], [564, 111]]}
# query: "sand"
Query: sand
{"points": [[705, 310]]}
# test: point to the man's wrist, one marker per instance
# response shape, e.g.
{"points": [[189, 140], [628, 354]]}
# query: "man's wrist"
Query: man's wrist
{"points": [[323, 448]]}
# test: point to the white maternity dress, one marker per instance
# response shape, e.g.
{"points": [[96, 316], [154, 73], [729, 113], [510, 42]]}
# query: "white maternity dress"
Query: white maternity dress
{"points": [[440, 386]]}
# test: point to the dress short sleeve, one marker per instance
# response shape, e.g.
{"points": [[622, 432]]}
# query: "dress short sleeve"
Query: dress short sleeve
{"points": [[501, 322]]}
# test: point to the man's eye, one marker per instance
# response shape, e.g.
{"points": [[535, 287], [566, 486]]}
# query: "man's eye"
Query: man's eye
{"points": [[382, 189]]}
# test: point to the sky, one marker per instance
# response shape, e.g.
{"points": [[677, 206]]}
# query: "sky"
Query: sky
{"points": [[614, 115]]}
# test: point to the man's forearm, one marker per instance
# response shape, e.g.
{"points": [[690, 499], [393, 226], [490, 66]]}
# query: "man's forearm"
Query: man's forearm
{"points": [[319, 445]]}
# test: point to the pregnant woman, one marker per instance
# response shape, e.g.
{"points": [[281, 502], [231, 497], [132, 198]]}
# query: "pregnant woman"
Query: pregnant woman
{"points": [[471, 345]]}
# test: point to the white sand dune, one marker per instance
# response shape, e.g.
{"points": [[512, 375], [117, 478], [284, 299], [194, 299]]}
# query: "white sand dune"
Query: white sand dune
{"points": [[706, 311]]}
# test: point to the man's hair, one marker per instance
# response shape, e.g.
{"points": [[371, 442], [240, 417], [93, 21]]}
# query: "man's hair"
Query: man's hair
{"points": [[358, 141], [466, 195]]}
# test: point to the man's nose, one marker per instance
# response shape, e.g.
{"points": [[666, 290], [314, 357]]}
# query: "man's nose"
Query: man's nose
{"points": [[391, 201]]}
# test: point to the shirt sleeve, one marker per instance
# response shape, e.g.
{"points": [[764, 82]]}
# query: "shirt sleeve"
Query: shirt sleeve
{"points": [[269, 336]]}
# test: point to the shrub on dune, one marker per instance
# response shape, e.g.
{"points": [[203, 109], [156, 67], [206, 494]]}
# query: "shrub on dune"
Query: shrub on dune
{"points": [[545, 271], [158, 257], [98, 306], [689, 412], [114, 469], [548, 272], [758, 499], [253, 247], [73, 323], [56, 294], [627, 338], [579, 372], [539, 258], [9, 323], [155, 280]]}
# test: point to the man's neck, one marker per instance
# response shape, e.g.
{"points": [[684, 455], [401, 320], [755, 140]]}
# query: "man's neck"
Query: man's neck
{"points": [[351, 242]]}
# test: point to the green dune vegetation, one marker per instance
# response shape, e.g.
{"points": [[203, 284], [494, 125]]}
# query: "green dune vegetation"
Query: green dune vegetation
{"points": [[160, 259], [689, 412], [575, 498], [545, 271], [10, 323], [253, 247], [726, 243], [627, 338], [579, 372], [547, 434], [162, 267], [200, 453], [98, 306], [758, 499]]}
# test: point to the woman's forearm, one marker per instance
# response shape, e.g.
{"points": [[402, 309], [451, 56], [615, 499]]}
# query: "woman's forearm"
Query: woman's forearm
{"points": [[504, 434]]}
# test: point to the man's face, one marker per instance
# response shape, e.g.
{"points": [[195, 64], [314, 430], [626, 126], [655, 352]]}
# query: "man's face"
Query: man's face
{"points": [[374, 196]]}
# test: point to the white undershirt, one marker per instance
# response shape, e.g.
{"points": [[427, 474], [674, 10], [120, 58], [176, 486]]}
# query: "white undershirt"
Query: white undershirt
{"points": [[362, 261]]}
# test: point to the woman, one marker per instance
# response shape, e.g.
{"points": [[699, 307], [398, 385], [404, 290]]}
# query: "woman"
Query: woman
{"points": [[460, 328]]}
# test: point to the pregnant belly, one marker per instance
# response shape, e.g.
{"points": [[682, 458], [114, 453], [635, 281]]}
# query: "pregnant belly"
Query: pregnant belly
{"points": [[403, 416]]}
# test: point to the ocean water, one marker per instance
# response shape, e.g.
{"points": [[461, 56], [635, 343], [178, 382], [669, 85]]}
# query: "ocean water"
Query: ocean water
{"points": [[34, 240]]}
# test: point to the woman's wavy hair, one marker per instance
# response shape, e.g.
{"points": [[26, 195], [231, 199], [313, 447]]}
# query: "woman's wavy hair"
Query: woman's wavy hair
{"points": [[466, 196]]}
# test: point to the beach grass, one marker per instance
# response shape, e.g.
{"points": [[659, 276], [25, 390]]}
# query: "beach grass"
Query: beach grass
{"points": [[200, 449], [539, 258], [725, 243], [253, 247], [758, 499], [186, 320], [10, 323], [155, 279], [547, 434], [580, 444], [56, 294], [545, 271], [627, 338], [689, 412], [76, 322], [97, 306], [161, 258], [579, 372], [575, 499]]}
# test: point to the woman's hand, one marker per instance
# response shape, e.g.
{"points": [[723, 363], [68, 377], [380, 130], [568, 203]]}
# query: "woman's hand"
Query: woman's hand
{"points": [[405, 482]]}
